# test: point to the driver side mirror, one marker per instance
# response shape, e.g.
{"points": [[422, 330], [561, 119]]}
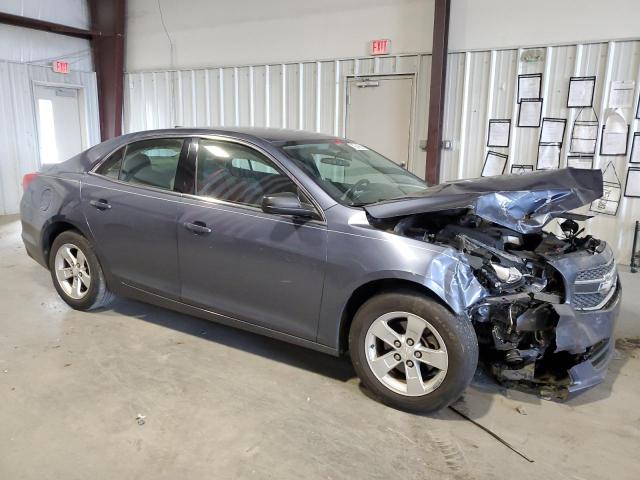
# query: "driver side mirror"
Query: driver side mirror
{"points": [[287, 203]]}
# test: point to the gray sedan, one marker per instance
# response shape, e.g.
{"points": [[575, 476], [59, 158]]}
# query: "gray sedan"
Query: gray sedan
{"points": [[322, 242]]}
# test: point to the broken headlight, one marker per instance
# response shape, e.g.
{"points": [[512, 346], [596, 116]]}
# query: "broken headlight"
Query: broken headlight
{"points": [[507, 275]]}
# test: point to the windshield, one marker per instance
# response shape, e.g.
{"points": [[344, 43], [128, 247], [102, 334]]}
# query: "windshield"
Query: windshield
{"points": [[352, 174]]}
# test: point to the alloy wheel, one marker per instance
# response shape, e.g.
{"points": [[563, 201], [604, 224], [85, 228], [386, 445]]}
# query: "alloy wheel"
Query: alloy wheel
{"points": [[72, 271], [406, 353]]}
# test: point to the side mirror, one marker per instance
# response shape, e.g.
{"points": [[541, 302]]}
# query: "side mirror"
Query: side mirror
{"points": [[286, 203]]}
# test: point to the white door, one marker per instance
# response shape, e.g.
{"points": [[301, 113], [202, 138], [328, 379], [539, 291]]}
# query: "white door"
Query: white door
{"points": [[379, 114], [60, 129]]}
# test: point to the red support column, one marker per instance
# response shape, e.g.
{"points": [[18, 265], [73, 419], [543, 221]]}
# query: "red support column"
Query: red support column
{"points": [[436, 94], [108, 19]]}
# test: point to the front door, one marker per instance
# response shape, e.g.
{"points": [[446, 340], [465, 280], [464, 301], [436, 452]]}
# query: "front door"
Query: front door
{"points": [[379, 114], [238, 261], [132, 210]]}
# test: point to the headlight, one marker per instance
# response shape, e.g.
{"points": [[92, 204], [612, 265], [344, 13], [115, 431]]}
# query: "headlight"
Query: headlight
{"points": [[507, 275]]}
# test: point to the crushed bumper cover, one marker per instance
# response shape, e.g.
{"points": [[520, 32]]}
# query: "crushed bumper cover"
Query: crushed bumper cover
{"points": [[581, 331], [584, 347]]}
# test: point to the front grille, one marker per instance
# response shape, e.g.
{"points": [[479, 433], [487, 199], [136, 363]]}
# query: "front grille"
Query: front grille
{"points": [[594, 287], [587, 301], [596, 273]]}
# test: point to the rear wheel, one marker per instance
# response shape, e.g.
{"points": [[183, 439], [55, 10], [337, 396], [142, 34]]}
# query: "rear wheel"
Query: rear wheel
{"points": [[76, 272], [411, 352]]}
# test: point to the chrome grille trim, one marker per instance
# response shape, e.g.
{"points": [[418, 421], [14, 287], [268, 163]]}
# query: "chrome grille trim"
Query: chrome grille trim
{"points": [[595, 274], [585, 298]]}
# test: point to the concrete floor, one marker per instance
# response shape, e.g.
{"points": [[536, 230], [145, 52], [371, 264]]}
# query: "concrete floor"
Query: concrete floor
{"points": [[221, 403]]}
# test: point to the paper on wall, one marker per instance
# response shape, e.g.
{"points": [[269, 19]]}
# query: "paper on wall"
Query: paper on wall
{"points": [[528, 87], [608, 203], [579, 162], [579, 145], [632, 189], [585, 132], [581, 92], [529, 115], [548, 157], [521, 169], [552, 130], [494, 164], [635, 149], [613, 143], [499, 133], [621, 93], [584, 138]]}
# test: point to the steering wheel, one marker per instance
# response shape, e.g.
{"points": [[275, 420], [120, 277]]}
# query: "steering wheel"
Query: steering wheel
{"points": [[356, 190]]}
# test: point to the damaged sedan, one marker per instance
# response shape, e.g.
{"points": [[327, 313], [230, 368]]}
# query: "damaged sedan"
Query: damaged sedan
{"points": [[323, 243]]}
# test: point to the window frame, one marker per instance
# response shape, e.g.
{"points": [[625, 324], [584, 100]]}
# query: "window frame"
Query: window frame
{"points": [[180, 155], [187, 168], [185, 149], [108, 158], [192, 161]]}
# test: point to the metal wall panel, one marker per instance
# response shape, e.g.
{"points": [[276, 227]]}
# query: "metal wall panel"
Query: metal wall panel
{"points": [[74, 13], [18, 137], [480, 85], [306, 96]]}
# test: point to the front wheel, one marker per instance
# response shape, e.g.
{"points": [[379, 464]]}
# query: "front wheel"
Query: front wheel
{"points": [[411, 352]]}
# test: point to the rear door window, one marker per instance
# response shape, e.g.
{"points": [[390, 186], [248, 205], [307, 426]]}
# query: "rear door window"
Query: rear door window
{"points": [[152, 163], [111, 166]]}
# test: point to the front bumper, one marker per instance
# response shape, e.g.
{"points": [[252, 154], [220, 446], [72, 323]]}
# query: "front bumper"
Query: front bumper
{"points": [[588, 333], [580, 348]]}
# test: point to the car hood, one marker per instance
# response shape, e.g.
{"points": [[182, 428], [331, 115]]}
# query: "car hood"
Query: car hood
{"points": [[524, 203]]}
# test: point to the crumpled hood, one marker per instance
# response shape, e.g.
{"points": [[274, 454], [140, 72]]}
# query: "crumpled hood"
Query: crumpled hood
{"points": [[524, 203]]}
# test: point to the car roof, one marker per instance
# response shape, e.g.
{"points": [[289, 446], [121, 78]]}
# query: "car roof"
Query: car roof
{"points": [[266, 136], [271, 135]]}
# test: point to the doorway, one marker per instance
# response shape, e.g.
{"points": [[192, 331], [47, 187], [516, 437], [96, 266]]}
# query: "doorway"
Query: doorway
{"points": [[379, 112], [60, 121]]}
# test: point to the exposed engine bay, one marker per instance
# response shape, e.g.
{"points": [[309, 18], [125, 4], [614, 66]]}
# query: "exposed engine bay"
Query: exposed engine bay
{"points": [[516, 323], [545, 295]]}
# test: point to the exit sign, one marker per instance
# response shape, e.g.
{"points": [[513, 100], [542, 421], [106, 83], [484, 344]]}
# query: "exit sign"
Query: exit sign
{"points": [[60, 67], [381, 47]]}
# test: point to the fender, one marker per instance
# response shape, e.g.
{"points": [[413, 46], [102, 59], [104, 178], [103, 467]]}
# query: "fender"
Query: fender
{"points": [[444, 274]]}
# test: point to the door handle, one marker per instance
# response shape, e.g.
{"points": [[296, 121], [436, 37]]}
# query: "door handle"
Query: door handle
{"points": [[100, 204], [199, 228]]}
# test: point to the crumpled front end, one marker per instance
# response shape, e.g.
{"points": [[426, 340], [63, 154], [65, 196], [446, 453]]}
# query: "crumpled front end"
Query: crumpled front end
{"points": [[545, 305], [561, 345], [524, 203]]}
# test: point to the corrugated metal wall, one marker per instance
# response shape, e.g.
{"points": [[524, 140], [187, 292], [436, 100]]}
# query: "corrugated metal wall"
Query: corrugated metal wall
{"points": [[25, 58], [483, 85], [480, 85], [18, 136], [307, 96]]}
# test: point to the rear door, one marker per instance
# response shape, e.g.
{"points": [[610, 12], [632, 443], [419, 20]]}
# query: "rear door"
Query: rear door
{"points": [[237, 260], [132, 208]]}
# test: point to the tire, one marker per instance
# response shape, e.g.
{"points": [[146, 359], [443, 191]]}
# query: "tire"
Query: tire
{"points": [[445, 370], [93, 292]]}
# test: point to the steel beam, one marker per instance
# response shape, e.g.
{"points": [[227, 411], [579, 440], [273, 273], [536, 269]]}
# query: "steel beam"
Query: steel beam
{"points": [[35, 24], [108, 18], [437, 90]]}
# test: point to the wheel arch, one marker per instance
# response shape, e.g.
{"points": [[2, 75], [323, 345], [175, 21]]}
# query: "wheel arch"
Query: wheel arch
{"points": [[375, 287], [53, 229]]}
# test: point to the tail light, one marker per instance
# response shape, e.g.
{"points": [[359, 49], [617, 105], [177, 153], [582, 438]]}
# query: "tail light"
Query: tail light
{"points": [[27, 179]]}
